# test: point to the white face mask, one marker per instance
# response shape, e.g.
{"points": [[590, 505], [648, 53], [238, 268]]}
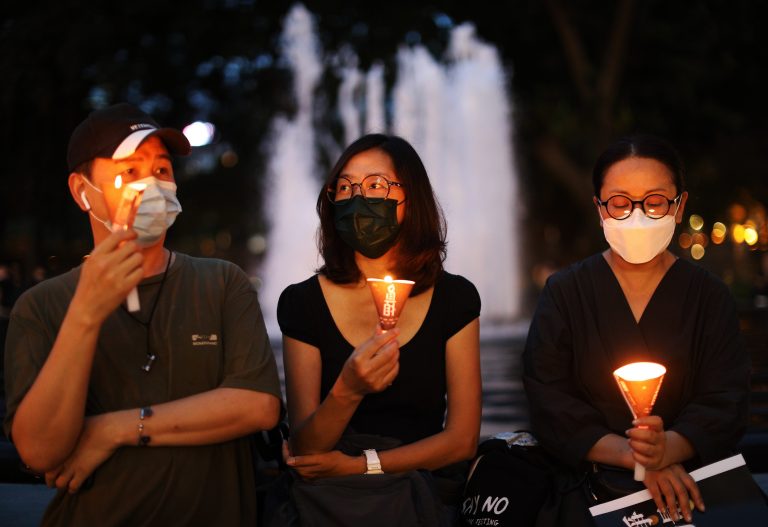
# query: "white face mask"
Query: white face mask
{"points": [[157, 211], [638, 239]]}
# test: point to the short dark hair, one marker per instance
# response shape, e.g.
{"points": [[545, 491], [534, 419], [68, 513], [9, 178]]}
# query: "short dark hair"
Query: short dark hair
{"points": [[641, 145], [421, 241], [84, 168]]}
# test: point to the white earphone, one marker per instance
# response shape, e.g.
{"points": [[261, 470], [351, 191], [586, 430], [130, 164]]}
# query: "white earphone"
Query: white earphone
{"points": [[85, 200]]}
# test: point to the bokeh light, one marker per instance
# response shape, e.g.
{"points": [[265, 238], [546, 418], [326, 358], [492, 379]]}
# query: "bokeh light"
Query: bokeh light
{"points": [[737, 212], [696, 222], [750, 235], [685, 240], [700, 238], [257, 244], [737, 233], [199, 133], [697, 251], [229, 159], [719, 232]]}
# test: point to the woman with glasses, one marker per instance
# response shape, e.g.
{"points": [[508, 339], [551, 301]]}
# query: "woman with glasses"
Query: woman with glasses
{"points": [[419, 383], [636, 301]]}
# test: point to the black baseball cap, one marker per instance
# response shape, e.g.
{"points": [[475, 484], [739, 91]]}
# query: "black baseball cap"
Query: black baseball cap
{"points": [[116, 132]]}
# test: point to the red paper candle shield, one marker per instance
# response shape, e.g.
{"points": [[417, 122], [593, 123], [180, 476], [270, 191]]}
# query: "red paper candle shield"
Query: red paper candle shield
{"points": [[640, 383], [389, 296]]}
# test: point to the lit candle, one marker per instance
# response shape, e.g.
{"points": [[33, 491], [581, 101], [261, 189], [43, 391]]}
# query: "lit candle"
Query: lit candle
{"points": [[389, 295], [123, 220], [639, 383], [129, 204]]}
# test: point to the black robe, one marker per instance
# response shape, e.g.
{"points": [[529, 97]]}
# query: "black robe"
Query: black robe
{"points": [[584, 329]]}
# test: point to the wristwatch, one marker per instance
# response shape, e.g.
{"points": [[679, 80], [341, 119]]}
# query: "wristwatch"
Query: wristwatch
{"points": [[372, 462]]}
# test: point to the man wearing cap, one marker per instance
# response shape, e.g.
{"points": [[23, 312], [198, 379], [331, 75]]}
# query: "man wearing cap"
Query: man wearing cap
{"points": [[139, 417]]}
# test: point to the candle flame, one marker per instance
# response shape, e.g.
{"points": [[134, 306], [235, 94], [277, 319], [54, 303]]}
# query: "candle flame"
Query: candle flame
{"points": [[118, 181], [639, 383], [387, 278], [640, 371]]}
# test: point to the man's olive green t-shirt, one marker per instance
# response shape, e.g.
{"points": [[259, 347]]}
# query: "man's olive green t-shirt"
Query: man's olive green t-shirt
{"points": [[207, 332]]}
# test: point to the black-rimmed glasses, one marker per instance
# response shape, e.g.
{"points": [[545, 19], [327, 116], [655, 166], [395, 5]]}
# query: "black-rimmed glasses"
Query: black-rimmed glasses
{"points": [[372, 188], [655, 206]]}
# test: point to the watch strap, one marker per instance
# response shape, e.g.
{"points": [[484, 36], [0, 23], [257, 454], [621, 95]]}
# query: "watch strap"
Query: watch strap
{"points": [[372, 462]]}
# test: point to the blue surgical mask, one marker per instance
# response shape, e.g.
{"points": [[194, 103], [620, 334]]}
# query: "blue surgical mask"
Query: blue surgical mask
{"points": [[157, 211]]}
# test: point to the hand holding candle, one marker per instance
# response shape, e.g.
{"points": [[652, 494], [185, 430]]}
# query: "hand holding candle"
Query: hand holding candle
{"points": [[389, 296], [123, 220], [639, 383]]}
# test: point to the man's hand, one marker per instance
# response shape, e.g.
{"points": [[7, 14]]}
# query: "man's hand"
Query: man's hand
{"points": [[93, 448], [108, 275], [673, 487], [50, 419], [333, 463]]}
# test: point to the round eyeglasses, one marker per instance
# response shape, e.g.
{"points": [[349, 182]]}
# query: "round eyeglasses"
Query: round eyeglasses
{"points": [[655, 206], [372, 188]]}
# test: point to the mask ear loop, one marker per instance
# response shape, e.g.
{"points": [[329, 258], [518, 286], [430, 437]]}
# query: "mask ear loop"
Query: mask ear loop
{"points": [[107, 224], [597, 203], [677, 205]]}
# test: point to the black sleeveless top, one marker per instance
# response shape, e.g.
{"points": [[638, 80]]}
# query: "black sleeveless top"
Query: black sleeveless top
{"points": [[414, 406]]}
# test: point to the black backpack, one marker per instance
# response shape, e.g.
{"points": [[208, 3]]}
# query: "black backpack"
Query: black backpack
{"points": [[514, 482]]}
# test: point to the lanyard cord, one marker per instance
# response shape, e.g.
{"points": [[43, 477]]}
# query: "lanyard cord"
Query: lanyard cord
{"points": [[152, 357]]}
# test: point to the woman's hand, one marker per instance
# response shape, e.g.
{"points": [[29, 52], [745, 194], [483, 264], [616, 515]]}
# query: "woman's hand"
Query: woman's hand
{"points": [[648, 442], [93, 448], [673, 487], [333, 463], [373, 365]]}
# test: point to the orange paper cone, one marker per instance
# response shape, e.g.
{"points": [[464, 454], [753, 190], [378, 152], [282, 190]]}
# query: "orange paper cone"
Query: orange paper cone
{"points": [[389, 296], [639, 383]]}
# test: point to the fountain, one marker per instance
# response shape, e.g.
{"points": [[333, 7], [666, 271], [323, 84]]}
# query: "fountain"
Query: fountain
{"points": [[292, 186], [456, 114]]}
